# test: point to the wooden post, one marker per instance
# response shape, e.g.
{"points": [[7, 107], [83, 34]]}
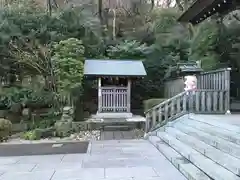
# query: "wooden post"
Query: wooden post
{"points": [[129, 96], [147, 123], [99, 96], [227, 88]]}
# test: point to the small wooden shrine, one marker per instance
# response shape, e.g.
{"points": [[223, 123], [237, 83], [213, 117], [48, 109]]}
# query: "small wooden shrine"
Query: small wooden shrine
{"points": [[114, 79], [202, 9], [174, 77]]}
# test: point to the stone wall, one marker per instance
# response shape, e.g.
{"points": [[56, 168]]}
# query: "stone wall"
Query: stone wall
{"points": [[83, 126], [88, 126]]}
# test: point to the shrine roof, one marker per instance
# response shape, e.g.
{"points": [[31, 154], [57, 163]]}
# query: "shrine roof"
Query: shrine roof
{"points": [[110, 67], [182, 69], [202, 9]]}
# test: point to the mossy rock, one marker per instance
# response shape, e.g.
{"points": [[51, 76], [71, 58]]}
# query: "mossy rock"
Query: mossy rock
{"points": [[5, 129], [44, 133], [63, 128], [3, 113], [79, 126]]}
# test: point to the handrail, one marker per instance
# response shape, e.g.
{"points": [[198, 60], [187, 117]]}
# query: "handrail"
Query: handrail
{"points": [[216, 71], [166, 111], [198, 101], [164, 102]]}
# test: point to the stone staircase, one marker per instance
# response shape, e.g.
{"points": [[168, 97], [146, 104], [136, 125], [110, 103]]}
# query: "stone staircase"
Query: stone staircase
{"points": [[118, 124], [200, 147]]}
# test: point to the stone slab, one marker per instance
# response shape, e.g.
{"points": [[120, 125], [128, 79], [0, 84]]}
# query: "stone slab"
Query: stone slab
{"points": [[9, 160], [208, 166], [58, 167], [229, 162], [189, 170], [112, 115], [89, 173], [17, 167], [41, 175], [214, 120], [73, 158], [208, 138], [116, 160], [130, 172], [55, 159]]}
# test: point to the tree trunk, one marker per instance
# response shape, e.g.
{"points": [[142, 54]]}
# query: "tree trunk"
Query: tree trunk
{"points": [[152, 4], [100, 11], [49, 7]]}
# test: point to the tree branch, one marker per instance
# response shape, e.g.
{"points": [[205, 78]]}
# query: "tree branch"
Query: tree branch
{"points": [[236, 17]]}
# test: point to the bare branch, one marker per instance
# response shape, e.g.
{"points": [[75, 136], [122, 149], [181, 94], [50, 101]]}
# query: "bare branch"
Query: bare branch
{"points": [[236, 17]]}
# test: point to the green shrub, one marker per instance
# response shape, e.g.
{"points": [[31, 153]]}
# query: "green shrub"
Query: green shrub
{"points": [[10, 96], [148, 104], [30, 135], [30, 98], [43, 123], [5, 129], [41, 99], [38, 133]]}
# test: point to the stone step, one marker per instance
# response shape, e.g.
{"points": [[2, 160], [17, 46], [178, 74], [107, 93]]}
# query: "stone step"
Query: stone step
{"points": [[213, 140], [212, 169], [117, 128], [229, 162], [182, 164], [216, 123], [214, 131]]}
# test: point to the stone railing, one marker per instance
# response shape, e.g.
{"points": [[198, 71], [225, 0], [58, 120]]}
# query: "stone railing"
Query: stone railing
{"points": [[199, 101], [166, 111]]}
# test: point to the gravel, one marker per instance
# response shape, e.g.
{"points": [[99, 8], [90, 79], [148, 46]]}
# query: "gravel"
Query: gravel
{"points": [[86, 135]]}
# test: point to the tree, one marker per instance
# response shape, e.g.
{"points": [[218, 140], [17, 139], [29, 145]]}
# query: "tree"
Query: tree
{"points": [[68, 67]]}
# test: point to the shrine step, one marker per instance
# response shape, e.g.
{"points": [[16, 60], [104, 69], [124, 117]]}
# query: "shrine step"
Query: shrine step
{"points": [[118, 125], [191, 128], [113, 115], [225, 160], [189, 170], [117, 128], [210, 143], [200, 160]]}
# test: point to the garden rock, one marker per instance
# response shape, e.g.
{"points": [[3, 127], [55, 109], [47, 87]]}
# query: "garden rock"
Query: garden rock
{"points": [[44, 133], [3, 113], [5, 129]]}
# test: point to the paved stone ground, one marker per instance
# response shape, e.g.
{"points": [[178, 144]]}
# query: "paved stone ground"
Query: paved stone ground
{"points": [[105, 160]]}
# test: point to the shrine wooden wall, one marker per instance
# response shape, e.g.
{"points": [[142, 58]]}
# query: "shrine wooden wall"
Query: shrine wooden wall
{"points": [[211, 80]]}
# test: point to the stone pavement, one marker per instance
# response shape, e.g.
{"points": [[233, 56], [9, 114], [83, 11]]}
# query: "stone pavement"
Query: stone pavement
{"points": [[105, 160]]}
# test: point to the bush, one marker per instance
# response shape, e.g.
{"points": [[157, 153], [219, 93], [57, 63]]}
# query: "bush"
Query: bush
{"points": [[19, 96], [41, 99], [30, 135], [148, 104], [38, 133], [5, 129], [43, 123]]}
